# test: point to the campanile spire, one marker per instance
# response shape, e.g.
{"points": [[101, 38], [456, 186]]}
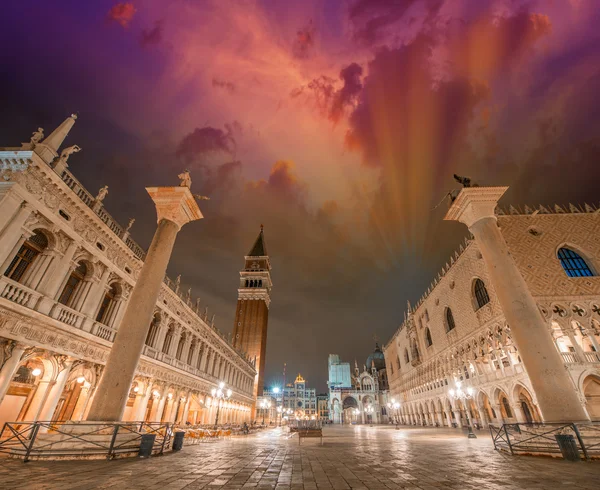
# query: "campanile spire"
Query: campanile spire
{"points": [[252, 313]]}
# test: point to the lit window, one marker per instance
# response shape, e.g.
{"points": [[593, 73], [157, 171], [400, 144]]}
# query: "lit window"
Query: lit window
{"points": [[573, 263]]}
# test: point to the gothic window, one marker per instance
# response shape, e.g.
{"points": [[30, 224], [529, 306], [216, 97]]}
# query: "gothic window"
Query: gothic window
{"points": [[180, 346], [25, 256], [573, 264], [153, 330], [481, 295], [428, 338], [168, 339], [246, 282], [406, 358], [105, 306], [73, 284], [506, 407], [260, 283], [450, 325]]}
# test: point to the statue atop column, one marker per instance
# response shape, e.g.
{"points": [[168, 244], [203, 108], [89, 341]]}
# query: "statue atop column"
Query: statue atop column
{"points": [[177, 284], [465, 181], [186, 179], [37, 136]]}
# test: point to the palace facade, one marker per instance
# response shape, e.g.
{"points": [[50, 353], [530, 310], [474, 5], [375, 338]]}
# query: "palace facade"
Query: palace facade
{"points": [[67, 271], [362, 397], [457, 331], [297, 400]]}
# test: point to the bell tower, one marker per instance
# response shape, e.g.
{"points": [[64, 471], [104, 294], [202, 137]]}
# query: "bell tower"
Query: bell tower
{"points": [[252, 314]]}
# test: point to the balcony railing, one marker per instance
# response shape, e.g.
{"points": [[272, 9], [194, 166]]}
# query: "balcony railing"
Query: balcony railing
{"points": [[569, 357], [64, 314], [17, 293], [103, 331]]}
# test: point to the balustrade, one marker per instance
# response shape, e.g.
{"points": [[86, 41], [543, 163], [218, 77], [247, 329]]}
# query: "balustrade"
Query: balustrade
{"points": [[17, 293], [103, 331], [569, 357], [592, 356], [67, 315]]}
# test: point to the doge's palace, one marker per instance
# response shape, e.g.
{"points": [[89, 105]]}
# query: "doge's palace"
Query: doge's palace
{"points": [[67, 272], [458, 330]]}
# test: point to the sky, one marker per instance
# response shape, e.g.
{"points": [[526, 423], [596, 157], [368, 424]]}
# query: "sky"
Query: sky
{"points": [[335, 123]]}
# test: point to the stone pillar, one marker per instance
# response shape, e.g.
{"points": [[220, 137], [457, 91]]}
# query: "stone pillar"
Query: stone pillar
{"points": [[55, 277], [54, 391], [175, 207], [12, 233], [9, 369], [559, 400]]}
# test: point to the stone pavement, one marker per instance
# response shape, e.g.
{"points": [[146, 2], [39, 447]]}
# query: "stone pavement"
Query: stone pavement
{"points": [[358, 457]]}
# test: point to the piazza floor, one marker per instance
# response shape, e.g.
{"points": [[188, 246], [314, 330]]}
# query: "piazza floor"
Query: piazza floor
{"points": [[351, 457]]}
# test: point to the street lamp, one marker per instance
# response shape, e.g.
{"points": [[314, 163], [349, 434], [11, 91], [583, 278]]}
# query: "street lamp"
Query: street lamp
{"points": [[276, 391], [356, 413], [464, 396], [264, 404], [220, 394], [369, 411], [394, 406]]}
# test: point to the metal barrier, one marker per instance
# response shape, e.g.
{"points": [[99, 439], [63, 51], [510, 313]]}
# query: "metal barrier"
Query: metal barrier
{"points": [[543, 439], [63, 439]]}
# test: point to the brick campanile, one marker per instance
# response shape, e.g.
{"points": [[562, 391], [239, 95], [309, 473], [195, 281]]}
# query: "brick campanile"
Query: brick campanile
{"points": [[252, 313]]}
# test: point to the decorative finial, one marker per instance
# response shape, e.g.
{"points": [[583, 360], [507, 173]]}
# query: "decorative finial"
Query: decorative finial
{"points": [[185, 178], [262, 227], [201, 198], [74, 116]]}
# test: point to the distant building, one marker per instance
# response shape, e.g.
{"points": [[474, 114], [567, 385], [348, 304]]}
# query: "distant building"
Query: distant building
{"points": [[297, 400], [323, 407], [360, 398]]}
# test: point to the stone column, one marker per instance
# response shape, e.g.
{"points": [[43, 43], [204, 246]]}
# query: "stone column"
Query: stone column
{"points": [[175, 206], [12, 233], [54, 279], [54, 391], [559, 401], [9, 369]]}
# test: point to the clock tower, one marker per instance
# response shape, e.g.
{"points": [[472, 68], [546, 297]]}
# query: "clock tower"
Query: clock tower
{"points": [[252, 314]]}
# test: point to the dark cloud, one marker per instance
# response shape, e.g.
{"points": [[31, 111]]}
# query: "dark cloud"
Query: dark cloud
{"points": [[154, 36], [224, 84], [348, 94], [206, 140], [122, 13], [305, 41]]}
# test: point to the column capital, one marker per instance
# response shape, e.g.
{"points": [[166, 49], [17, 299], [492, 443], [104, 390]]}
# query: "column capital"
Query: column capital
{"points": [[176, 204], [475, 203]]}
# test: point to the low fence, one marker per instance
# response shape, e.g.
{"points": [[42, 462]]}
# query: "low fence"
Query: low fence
{"points": [[34, 440], [568, 440]]}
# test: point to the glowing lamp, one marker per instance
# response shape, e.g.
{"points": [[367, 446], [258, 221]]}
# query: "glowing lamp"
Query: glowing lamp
{"points": [[136, 389], [36, 372]]}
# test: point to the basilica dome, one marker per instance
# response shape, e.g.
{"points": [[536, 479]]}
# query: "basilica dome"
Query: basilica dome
{"points": [[376, 357]]}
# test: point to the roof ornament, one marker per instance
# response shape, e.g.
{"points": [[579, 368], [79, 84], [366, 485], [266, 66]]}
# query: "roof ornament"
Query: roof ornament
{"points": [[37, 136], [185, 179]]}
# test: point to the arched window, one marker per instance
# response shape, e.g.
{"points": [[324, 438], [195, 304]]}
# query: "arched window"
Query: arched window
{"points": [[246, 282], [260, 283], [450, 325], [107, 305], [481, 295], [180, 346], [398, 361], [153, 330], [168, 339], [406, 358], [573, 264], [32, 247], [506, 407], [72, 285], [428, 338]]}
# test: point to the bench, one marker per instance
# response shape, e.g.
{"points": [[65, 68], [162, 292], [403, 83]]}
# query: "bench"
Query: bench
{"points": [[310, 433]]}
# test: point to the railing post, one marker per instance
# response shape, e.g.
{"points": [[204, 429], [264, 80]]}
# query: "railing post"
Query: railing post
{"points": [[112, 441], [162, 447], [508, 440], [34, 431], [580, 439]]}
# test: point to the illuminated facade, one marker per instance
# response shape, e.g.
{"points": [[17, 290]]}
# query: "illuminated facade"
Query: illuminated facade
{"points": [[362, 397], [67, 272], [458, 330], [297, 400]]}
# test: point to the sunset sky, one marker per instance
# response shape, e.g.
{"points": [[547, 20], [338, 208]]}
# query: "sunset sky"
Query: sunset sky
{"points": [[337, 124]]}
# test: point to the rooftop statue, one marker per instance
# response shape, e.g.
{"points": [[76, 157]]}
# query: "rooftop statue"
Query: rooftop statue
{"points": [[101, 193], [129, 225], [37, 136], [67, 152], [186, 179], [201, 198], [465, 181]]}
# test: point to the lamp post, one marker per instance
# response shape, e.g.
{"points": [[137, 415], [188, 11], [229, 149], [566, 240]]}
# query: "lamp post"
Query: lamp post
{"points": [[369, 411], [394, 406], [219, 395], [264, 404], [276, 391], [464, 396]]}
